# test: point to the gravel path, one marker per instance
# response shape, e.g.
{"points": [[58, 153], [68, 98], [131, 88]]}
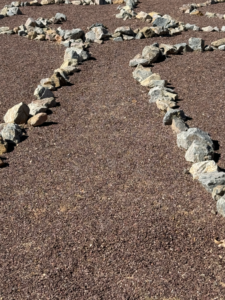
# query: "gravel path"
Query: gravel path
{"points": [[96, 205]]}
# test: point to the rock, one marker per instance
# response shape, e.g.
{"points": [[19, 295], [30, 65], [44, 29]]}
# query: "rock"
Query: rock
{"points": [[185, 138], [47, 2], [143, 16], [42, 92], [146, 81], [210, 15], [13, 11], [38, 119], [183, 47], [76, 53], [3, 146], [168, 49], [90, 36], [48, 102], [30, 23], [199, 151], [37, 107], [171, 113], [218, 192], [124, 30], [58, 80], [100, 33], [211, 180], [17, 114], [151, 53], [223, 29], [160, 22], [71, 62], [178, 125], [220, 205], [141, 73], [197, 44], [60, 18], [118, 1], [199, 168], [32, 35], [4, 29], [147, 32], [162, 94], [35, 3], [74, 34], [11, 133], [165, 104], [76, 2], [139, 36], [138, 60], [208, 48], [218, 43], [40, 37], [222, 47], [118, 39], [207, 29], [47, 83]]}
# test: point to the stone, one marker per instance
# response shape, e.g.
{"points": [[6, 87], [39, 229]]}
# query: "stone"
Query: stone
{"points": [[199, 151], [90, 36], [118, 39], [141, 73], [165, 104], [197, 44], [160, 22], [118, 1], [35, 3], [218, 192], [74, 34], [127, 37], [161, 93], [100, 33], [76, 2], [186, 138], [40, 37], [144, 16], [171, 113], [223, 28], [17, 114], [207, 29], [11, 133], [203, 167], [151, 53], [13, 11], [47, 83], [168, 49], [139, 36], [48, 102], [59, 17], [146, 81], [3, 146], [47, 2], [32, 35], [178, 125], [211, 180], [37, 107], [4, 29], [208, 48], [58, 80], [222, 47], [15, 3], [138, 60], [42, 92], [38, 119], [75, 53], [220, 206], [71, 62], [218, 43], [210, 15], [124, 30], [147, 32], [30, 23]]}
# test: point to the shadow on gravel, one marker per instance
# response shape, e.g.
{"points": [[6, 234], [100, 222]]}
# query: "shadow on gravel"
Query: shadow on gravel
{"points": [[46, 124], [216, 145]]}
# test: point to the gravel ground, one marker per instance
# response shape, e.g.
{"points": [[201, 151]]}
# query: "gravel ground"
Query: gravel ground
{"points": [[95, 204]]}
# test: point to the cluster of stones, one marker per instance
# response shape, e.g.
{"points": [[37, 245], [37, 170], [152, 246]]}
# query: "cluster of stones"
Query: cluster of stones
{"points": [[197, 143], [35, 113], [193, 9]]}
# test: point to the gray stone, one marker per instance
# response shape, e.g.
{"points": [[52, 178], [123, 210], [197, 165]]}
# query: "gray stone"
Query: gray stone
{"points": [[90, 36], [66, 43], [223, 29], [218, 192], [171, 113], [13, 11], [183, 47], [74, 34], [207, 29], [17, 114], [75, 53], [199, 168], [60, 18], [11, 133], [168, 49], [141, 73], [127, 37], [198, 152], [222, 47], [22, 33], [197, 44], [30, 23], [37, 107], [125, 30], [118, 39], [151, 53], [162, 94], [48, 102], [100, 33], [186, 138], [189, 26], [220, 206], [139, 36], [196, 28], [178, 125], [139, 61], [211, 180], [208, 48], [160, 22], [42, 92]]}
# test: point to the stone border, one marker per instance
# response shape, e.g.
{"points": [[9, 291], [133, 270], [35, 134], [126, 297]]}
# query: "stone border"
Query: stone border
{"points": [[197, 143]]}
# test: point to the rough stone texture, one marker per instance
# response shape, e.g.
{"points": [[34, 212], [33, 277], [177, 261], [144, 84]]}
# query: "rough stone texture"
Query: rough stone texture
{"points": [[218, 192], [17, 114], [141, 73], [211, 180], [11, 133], [218, 43], [170, 114], [37, 107], [75, 53], [30, 22], [42, 92], [185, 138], [151, 53], [165, 104], [138, 60], [147, 81], [197, 44], [203, 167], [38, 119], [48, 102], [199, 151], [220, 205], [178, 125]]}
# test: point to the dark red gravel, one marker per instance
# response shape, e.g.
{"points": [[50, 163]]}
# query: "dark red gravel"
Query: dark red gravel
{"points": [[96, 205]]}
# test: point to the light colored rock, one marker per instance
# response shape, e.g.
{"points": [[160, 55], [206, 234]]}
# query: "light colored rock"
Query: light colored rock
{"points": [[138, 60], [48, 102], [220, 205], [47, 2], [168, 49], [203, 167], [30, 23], [17, 114], [59, 17], [42, 92], [210, 15], [178, 125], [75, 53], [197, 44], [71, 62], [32, 35], [151, 53], [47, 83], [100, 33], [124, 30], [11, 133], [198, 152], [186, 138], [146, 81], [218, 192], [218, 43], [162, 94], [221, 48], [37, 107], [38, 119], [13, 11], [143, 16], [3, 146], [69, 70], [211, 180], [141, 73], [90, 36], [207, 29], [74, 34], [171, 113], [165, 104], [147, 32]]}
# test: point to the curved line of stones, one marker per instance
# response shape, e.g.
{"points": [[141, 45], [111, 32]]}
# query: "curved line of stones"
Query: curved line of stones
{"points": [[193, 9], [197, 143]]}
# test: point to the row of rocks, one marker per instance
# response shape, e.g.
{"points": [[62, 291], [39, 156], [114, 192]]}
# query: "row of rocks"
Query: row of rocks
{"points": [[198, 144], [35, 113], [193, 9]]}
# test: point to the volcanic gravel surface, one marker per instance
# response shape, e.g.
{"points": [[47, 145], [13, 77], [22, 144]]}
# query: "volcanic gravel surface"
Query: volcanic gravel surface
{"points": [[95, 204]]}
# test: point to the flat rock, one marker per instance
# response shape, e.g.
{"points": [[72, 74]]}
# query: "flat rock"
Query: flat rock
{"points": [[199, 151], [30, 23], [42, 92], [124, 30], [100, 33], [37, 107], [17, 114], [147, 81], [75, 34], [211, 180], [198, 168], [38, 119], [13, 11], [178, 125], [218, 43], [218, 192], [197, 44], [186, 138], [138, 60], [48, 102], [11, 133], [141, 73]]}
